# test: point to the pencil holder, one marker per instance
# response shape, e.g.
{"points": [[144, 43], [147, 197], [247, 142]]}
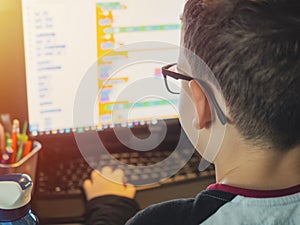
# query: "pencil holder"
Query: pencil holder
{"points": [[26, 165]]}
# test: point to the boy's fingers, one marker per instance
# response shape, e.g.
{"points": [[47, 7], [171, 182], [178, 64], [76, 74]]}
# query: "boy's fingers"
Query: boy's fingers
{"points": [[130, 190], [98, 185], [106, 171], [130, 187], [87, 184], [118, 174], [95, 175]]}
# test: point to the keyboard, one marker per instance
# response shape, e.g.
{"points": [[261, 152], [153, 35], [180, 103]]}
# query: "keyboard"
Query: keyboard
{"points": [[64, 179]]}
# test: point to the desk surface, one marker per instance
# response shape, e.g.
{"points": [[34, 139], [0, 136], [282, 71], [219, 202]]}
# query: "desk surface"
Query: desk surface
{"points": [[70, 211]]}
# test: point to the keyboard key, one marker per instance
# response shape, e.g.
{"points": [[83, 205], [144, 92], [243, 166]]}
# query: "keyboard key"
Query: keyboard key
{"points": [[145, 176], [191, 175], [180, 178], [58, 189], [168, 181], [134, 178], [154, 175], [74, 192]]}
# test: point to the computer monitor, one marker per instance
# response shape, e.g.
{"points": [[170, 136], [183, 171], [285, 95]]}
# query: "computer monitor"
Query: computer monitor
{"points": [[121, 45]]}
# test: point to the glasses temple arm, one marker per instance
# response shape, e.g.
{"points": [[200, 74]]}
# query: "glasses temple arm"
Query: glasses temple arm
{"points": [[218, 109]]}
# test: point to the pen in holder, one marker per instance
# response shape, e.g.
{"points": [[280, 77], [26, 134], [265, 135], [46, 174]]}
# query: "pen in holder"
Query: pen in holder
{"points": [[26, 165]]}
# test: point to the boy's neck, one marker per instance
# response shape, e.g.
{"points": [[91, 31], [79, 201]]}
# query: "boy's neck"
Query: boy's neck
{"points": [[261, 169]]}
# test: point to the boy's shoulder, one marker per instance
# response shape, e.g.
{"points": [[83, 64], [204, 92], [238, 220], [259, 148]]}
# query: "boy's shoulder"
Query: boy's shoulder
{"points": [[183, 211], [170, 212]]}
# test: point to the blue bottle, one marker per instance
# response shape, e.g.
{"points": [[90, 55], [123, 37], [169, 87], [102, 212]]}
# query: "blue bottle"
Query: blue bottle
{"points": [[15, 196]]}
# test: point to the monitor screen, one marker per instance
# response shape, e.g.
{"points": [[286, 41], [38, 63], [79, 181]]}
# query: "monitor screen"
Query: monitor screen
{"points": [[121, 45]]}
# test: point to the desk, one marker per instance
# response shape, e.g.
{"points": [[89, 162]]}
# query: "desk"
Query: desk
{"points": [[70, 211]]}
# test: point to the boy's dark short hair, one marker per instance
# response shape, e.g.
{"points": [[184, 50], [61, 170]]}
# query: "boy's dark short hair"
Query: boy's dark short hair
{"points": [[253, 48]]}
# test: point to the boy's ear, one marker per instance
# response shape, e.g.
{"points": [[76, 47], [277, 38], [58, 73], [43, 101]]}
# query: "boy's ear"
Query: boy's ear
{"points": [[202, 105]]}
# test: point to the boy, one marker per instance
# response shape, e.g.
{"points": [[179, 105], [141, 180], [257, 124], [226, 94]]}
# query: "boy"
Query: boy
{"points": [[253, 48]]}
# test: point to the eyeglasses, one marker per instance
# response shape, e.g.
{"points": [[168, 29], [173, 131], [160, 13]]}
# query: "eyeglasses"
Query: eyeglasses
{"points": [[171, 71]]}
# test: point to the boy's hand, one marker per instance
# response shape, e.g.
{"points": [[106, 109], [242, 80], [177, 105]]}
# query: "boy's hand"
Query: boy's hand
{"points": [[107, 182]]}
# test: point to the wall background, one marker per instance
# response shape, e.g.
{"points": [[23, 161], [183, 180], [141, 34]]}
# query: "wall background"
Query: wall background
{"points": [[12, 66]]}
